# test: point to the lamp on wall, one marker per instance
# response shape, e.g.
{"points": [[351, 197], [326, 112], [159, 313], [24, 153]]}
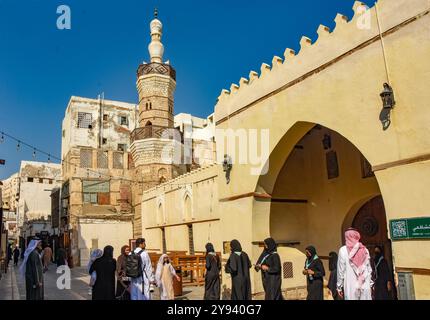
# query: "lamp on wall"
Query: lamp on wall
{"points": [[227, 166], [387, 97], [388, 103]]}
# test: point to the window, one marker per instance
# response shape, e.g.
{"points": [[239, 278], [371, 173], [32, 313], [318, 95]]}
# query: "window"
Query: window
{"points": [[123, 120], [96, 192], [150, 106], [86, 158], [102, 159], [30, 179], [51, 181], [366, 168], [104, 141], [122, 147], [105, 117], [332, 165], [40, 180], [84, 120], [118, 160], [288, 270], [64, 133]]}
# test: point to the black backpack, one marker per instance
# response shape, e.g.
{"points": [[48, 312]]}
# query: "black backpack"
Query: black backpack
{"points": [[133, 265]]}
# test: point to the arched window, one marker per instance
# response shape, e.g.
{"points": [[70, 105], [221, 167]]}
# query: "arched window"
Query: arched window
{"points": [[150, 105], [147, 106], [160, 214], [187, 208]]}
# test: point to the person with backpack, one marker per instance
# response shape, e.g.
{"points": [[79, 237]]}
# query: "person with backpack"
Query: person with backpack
{"points": [[139, 269]]}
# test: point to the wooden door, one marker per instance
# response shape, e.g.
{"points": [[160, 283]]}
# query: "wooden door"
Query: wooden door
{"points": [[371, 222]]}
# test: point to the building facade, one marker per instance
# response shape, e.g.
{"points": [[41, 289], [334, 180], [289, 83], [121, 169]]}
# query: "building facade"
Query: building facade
{"points": [[96, 189], [33, 212], [337, 156]]}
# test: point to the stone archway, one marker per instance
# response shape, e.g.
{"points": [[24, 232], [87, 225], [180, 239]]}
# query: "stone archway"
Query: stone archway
{"points": [[323, 176]]}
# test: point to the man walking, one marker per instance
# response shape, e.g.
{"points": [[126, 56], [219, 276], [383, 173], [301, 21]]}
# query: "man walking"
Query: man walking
{"points": [[140, 286], [354, 271], [32, 270], [16, 255]]}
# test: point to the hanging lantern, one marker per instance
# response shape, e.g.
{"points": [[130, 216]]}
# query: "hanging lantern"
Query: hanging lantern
{"points": [[387, 97]]}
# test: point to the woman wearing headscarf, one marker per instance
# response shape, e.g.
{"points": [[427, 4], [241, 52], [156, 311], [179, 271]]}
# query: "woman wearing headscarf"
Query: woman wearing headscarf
{"points": [[314, 272], [332, 281], [354, 271], [164, 277], [32, 270], [270, 265], [105, 267], [95, 254], [238, 266], [61, 256], [382, 276], [212, 280], [122, 283]]}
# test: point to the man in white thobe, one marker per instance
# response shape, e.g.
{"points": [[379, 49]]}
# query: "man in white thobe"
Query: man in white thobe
{"points": [[354, 271], [137, 292]]}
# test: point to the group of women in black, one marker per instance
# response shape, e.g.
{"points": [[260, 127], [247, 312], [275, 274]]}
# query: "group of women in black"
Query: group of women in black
{"points": [[238, 266], [269, 264], [314, 270]]}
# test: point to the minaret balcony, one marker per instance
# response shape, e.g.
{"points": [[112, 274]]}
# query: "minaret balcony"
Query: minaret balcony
{"points": [[156, 68], [157, 132]]}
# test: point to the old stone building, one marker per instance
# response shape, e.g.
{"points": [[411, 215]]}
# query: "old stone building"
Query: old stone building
{"points": [[10, 192], [112, 151], [35, 183], [96, 192], [337, 155]]}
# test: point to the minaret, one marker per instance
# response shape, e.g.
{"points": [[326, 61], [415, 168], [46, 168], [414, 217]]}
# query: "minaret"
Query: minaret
{"points": [[156, 83], [152, 141]]}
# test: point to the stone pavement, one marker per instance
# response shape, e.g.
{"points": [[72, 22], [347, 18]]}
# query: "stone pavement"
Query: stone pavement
{"points": [[12, 287]]}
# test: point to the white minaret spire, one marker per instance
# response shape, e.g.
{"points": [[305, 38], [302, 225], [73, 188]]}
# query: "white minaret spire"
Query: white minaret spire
{"points": [[156, 48]]}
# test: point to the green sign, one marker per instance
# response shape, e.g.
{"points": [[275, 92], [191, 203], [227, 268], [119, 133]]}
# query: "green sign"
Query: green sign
{"points": [[414, 228]]}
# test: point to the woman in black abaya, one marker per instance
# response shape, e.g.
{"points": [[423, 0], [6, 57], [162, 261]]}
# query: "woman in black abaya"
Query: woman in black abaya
{"points": [[105, 268], [383, 277], [212, 280], [332, 281], [314, 271], [238, 266], [270, 265]]}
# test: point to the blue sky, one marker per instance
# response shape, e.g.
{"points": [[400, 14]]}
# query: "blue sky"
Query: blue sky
{"points": [[211, 43]]}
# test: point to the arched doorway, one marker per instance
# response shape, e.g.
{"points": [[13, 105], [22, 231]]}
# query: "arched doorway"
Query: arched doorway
{"points": [[323, 175]]}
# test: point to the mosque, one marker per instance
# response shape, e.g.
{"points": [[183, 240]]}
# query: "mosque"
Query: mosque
{"points": [[331, 137]]}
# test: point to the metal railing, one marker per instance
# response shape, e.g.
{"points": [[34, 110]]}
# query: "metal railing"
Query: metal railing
{"points": [[149, 132]]}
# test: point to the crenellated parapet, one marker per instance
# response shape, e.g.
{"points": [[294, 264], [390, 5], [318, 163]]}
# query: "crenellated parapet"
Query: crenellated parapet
{"points": [[330, 46]]}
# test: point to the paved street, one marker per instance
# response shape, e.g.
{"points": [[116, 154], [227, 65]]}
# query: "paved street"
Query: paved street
{"points": [[12, 287]]}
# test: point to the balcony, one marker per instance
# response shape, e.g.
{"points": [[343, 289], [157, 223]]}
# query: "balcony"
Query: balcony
{"points": [[157, 132]]}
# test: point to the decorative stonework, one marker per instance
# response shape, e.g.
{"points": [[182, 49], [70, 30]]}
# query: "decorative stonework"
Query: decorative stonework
{"points": [[156, 68]]}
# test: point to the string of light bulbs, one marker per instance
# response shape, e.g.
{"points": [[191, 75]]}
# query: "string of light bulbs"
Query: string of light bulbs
{"points": [[36, 150], [51, 157]]}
